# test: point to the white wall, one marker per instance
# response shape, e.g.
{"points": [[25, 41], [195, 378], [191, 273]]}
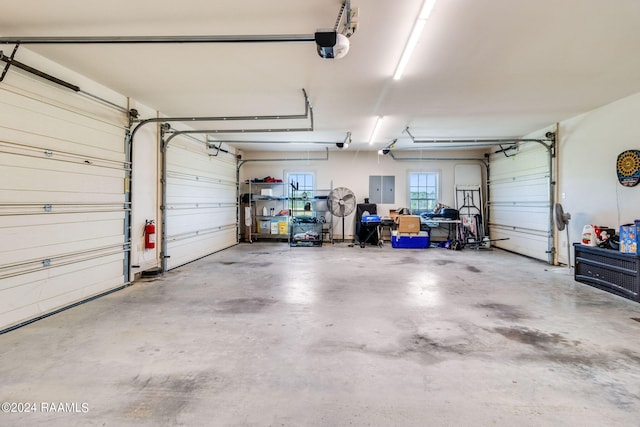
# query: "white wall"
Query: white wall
{"points": [[588, 188], [351, 169], [145, 188]]}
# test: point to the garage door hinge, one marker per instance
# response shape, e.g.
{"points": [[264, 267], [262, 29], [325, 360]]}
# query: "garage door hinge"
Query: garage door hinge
{"points": [[48, 208], [48, 153], [46, 262]]}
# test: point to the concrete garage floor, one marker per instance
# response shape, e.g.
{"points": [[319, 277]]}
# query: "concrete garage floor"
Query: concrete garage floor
{"points": [[264, 334]]}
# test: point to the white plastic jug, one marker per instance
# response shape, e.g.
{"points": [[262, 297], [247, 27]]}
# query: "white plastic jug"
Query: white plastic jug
{"points": [[589, 236]]}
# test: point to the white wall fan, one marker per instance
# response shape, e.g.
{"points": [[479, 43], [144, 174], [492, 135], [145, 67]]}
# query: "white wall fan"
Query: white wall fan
{"points": [[562, 222]]}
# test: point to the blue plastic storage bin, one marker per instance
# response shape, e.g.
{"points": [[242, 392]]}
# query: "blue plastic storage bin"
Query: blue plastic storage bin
{"points": [[371, 218], [410, 242]]}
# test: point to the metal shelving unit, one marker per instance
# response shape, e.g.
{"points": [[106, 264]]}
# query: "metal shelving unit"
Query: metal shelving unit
{"points": [[266, 200], [310, 216]]}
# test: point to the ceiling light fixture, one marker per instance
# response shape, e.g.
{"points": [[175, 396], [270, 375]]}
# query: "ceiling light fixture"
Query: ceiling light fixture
{"points": [[376, 128], [418, 26]]}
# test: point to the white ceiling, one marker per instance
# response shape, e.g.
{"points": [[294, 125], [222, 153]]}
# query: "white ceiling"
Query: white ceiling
{"points": [[482, 68]]}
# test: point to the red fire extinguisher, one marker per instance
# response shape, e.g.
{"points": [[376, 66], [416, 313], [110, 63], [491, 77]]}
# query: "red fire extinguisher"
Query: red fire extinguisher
{"points": [[149, 234]]}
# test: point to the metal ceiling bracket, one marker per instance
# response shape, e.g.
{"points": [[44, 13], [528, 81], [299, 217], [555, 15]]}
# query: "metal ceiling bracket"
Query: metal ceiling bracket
{"points": [[307, 111], [276, 38], [10, 59], [255, 141], [549, 142], [430, 159], [504, 150], [175, 133], [219, 148], [345, 8], [350, 19], [326, 157], [308, 114]]}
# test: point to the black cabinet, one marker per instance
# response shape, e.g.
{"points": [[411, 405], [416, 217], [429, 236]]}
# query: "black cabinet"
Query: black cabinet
{"points": [[363, 234], [609, 270]]}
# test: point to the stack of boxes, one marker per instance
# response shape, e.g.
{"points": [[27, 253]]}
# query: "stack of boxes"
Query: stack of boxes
{"points": [[408, 234]]}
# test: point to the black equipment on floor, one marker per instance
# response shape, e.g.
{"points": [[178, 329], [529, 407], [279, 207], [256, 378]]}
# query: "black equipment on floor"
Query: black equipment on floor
{"points": [[370, 230], [372, 208]]}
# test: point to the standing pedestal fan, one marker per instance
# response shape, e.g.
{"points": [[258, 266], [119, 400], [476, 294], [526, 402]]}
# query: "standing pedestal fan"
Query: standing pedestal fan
{"points": [[341, 203], [562, 221]]}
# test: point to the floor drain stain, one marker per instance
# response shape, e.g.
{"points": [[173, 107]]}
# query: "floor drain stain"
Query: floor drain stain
{"points": [[637, 319]]}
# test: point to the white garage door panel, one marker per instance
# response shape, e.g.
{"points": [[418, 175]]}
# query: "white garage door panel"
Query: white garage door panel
{"points": [[185, 221], [520, 242], [93, 273], [68, 123], [201, 202], [30, 87], [60, 136], [199, 191], [54, 160], [52, 241], [29, 142], [531, 159], [183, 249], [60, 270], [29, 295], [187, 156], [60, 200], [62, 203], [520, 201], [40, 219], [524, 190], [66, 185], [523, 217]]}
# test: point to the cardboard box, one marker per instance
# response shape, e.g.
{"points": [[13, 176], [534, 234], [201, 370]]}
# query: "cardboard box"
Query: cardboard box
{"points": [[274, 227], [629, 238], [408, 224]]}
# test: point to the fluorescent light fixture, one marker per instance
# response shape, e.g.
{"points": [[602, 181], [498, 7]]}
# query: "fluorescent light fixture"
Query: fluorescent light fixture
{"points": [[376, 127], [427, 7]]}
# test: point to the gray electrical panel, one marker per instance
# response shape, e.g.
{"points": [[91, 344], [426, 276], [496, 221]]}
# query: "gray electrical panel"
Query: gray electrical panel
{"points": [[382, 189]]}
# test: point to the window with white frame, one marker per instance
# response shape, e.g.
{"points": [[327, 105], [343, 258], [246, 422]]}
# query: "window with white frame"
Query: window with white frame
{"points": [[423, 191], [301, 187], [302, 181]]}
